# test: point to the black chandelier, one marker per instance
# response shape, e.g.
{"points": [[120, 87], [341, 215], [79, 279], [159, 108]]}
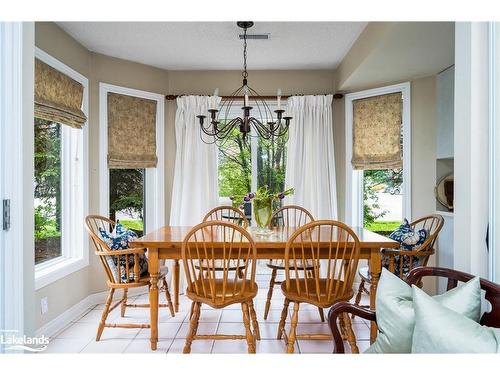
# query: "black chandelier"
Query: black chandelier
{"points": [[221, 126]]}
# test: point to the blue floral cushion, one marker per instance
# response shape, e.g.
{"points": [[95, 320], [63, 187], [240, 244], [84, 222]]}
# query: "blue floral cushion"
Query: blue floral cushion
{"points": [[401, 231], [119, 240], [409, 240]]}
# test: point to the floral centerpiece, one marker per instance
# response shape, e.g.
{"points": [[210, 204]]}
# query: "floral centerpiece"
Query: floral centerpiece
{"points": [[262, 201]]}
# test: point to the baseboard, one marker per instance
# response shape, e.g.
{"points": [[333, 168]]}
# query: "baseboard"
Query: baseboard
{"points": [[62, 320]]}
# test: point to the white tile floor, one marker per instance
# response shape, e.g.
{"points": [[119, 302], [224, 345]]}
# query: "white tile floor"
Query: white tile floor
{"points": [[79, 336]]}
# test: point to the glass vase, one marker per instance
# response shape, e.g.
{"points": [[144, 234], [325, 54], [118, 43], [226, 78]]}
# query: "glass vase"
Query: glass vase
{"points": [[263, 211]]}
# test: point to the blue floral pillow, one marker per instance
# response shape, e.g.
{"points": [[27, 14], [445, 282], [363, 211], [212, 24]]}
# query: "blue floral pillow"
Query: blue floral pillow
{"points": [[118, 240], [409, 240], [401, 231]]}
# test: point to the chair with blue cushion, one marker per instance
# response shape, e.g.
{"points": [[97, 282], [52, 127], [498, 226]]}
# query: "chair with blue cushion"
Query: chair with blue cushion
{"points": [[414, 252], [125, 268]]}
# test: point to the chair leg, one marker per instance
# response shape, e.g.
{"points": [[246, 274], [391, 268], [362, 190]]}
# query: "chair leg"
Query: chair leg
{"points": [[248, 331], [321, 314], [169, 298], [255, 323], [284, 312], [191, 310], [193, 327], [270, 293], [124, 302], [293, 329], [351, 338], [104, 315], [342, 326], [359, 294]]}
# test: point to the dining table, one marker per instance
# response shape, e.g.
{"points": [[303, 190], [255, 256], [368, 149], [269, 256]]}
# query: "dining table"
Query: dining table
{"points": [[166, 243]]}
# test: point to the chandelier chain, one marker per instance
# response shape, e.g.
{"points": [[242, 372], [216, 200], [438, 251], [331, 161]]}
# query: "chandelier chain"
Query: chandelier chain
{"points": [[245, 73]]}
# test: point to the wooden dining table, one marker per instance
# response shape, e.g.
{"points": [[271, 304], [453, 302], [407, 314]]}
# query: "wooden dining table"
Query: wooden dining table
{"points": [[166, 243]]}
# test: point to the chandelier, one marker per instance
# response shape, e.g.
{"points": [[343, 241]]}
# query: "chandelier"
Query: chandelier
{"points": [[259, 116]]}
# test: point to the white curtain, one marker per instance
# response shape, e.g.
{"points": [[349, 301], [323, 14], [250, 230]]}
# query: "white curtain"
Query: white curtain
{"points": [[195, 188], [310, 167]]}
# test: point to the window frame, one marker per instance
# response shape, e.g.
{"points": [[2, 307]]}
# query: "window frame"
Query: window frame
{"points": [[74, 239], [354, 178], [154, 192]]}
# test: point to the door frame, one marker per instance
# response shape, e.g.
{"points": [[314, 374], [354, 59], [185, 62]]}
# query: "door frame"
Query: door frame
{"points": [[354, 178]]}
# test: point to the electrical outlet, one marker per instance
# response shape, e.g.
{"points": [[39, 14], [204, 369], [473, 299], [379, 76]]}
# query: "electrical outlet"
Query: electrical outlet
{"points": [[44, 304]]}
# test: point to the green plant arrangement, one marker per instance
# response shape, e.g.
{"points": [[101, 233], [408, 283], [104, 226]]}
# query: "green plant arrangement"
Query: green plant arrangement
{"points": [[262, 201]]}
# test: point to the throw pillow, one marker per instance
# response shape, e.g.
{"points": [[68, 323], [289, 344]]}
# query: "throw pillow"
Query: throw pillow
{"points": [[439, 329], [396, 315], [119, 240]]}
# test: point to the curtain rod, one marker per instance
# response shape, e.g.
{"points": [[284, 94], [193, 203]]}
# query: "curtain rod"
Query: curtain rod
{"points": [[284, 97]]}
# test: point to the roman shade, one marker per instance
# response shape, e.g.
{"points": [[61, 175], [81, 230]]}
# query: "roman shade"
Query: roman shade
{"points": [[377, 132], [131, 132], [58, 97]]}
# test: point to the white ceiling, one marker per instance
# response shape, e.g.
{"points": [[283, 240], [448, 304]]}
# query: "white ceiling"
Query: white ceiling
{"points": [[215, 45]]}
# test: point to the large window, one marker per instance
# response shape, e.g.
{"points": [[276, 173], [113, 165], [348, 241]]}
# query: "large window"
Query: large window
{"points": [[379, 199], [60, 189], [243, 169]]}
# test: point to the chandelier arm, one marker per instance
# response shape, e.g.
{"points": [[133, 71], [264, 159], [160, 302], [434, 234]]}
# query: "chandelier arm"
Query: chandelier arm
{"points": [[261, 129]]}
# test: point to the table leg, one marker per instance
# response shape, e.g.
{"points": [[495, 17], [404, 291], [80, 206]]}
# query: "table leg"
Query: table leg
{"points": [[153, 268], [375, 270], [176, 284]]}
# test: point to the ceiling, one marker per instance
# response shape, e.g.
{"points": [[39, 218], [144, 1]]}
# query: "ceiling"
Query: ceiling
{"points": [[216, 46], [406, 51]]}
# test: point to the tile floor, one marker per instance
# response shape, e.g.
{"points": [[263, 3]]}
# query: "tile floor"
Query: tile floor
{"points": [[79, 336]]}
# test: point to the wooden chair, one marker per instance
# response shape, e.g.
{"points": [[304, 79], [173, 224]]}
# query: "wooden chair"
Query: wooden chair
{"points": [[432, 224], [220, 242], [340, 245], [114, 280], [227, 213], [232, 215], [287, 216], [490, 319]]}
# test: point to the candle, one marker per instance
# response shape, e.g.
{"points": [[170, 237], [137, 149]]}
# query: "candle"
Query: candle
{"points": [[214, 98], [279, 99]]}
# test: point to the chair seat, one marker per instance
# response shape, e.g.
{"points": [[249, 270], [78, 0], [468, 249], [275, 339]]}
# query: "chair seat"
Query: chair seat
{"points": [[218, 264], [143, 280], [279, 264], [323, 301], [223, 292]]}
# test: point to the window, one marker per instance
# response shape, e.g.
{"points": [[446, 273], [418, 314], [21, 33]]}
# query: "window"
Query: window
{"points": [[379, 199], [135, 196], [244, 169], [126, 197], [60, 199]]}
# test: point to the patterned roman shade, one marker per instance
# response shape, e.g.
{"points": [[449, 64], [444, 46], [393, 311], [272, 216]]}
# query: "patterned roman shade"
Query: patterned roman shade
{"points": [[58, 97], [131, 132], [377, 132]]}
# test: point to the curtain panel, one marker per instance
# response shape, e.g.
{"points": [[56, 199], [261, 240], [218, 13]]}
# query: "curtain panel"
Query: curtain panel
{"points": [[377, 132], [58, 97], [310, 167], [131, 132], [195, 188]]}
